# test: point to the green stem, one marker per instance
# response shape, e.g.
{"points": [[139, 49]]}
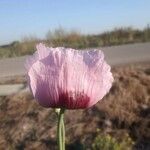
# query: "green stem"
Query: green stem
{"points": [[63, 133], [60, 130]]}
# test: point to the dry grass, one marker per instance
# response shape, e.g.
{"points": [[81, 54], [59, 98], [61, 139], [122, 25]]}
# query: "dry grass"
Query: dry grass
{"points": [[74, 39], [126, 109]]}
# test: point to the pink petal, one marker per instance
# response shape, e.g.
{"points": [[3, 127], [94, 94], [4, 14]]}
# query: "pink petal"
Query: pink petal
{"points": [[68, 78]]}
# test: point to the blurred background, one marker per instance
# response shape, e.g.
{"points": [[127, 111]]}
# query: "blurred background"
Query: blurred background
{"points": [[121, 121]]}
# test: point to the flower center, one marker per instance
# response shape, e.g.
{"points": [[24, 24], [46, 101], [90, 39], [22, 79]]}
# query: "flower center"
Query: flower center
{"points": [[73, 100]]}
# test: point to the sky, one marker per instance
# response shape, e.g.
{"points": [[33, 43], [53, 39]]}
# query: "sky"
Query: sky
{"points": [[21, 18]]}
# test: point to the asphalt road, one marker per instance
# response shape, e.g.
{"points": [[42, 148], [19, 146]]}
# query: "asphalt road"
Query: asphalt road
{"points": [[114, 55]]}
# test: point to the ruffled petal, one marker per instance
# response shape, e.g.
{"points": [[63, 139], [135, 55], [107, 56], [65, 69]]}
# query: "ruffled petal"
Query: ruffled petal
{"points": [[68, 78]]}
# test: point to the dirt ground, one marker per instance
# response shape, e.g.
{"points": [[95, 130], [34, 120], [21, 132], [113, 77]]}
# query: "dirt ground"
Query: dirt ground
{"points": [[24, 124]]}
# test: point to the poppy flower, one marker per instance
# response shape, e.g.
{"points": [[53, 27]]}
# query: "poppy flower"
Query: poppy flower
{"points": [[68, 78]]}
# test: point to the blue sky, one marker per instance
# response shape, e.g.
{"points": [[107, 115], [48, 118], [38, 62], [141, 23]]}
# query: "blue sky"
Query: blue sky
{"points": [[19, 18]]}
